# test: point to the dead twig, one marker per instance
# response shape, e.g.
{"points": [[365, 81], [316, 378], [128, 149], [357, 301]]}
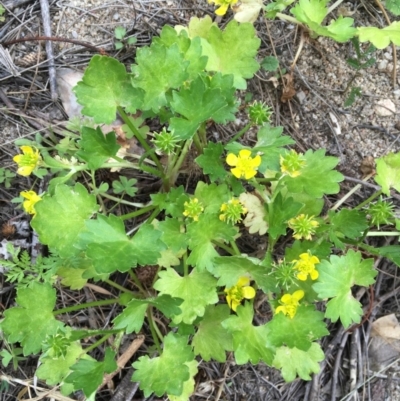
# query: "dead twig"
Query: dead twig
{"points": [[44, 5]]}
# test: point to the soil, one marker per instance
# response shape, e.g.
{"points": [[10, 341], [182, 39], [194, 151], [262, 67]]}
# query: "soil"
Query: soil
{"points": [[313, 114]]}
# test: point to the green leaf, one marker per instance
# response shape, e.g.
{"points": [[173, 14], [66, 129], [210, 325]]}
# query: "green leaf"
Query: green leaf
{"points": [[211, 196], [61, 218], [159, 69], [201, 235], [250, 343], [306, 326], [313, 12], [54, 369], [168, 372], [392, 252], [107, 245], [125, 185], [293, 361], [317, 177], [71, 277], [105, 86], [336, 278], [173, 234], [119, 32], [132, 317], [211, 163], [270, 63], [172, 202], [380, 38], [393, 6], [198, 289], [188, 385], [354, 92], [190, 49], [270, 143], [32, 320], [232, 51], [280, 212], [96, 148], [212, 340], [197, 104], [229, 269], [388, 172], [88, 374], [347, 223]]}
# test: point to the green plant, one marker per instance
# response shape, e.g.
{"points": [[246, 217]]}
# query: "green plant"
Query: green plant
{"points": [[120, 33], [361, 61], [6, 177], [205, 285]]}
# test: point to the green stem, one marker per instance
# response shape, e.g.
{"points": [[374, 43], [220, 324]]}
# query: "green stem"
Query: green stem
{"points": [[153, 215], [369, 200], [139, 137], [185, 265], [126, 164], [178, 164], [97, 343], [225, 247], [382, 233], [240, 133], [153, 330], [235, 247], [288, 18], [119, 287], [139, 212], [137, 282], [86, 305]]}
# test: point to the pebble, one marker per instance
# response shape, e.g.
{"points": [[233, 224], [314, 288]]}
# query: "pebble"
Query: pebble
{"points": [[385, 108], [383, 65]]}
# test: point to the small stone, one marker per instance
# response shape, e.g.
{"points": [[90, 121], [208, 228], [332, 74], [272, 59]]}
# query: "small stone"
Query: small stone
{"points": [[382, 65], [301, 97], [396, 93], [116, 16], [385, 108]]}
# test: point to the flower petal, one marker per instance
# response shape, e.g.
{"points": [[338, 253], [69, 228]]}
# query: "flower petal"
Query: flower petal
{"points": [[231, 159], [298, 294], [248, 292], [222, 11], [256, 161], [250, 174], [302, 276], [237, 172], [314, 274], [245, 153]]}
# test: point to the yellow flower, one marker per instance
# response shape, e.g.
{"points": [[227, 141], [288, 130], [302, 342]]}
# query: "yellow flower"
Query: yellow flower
{"points": [[240, 291], [232, 211], [244, 165], [31, 199], [306, 266], [28, 161], [290, 302], [303, 226], [193, 209], [224, 5]]}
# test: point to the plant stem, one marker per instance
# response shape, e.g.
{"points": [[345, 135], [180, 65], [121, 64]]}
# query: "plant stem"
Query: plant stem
{"points": [[119, 287], [383, 233], [97, 343], [85, 305], [240, 133], [369, 200], [225, 247], [137, 282], [139, 137], [152, 329], [136, 213], [174, 170]]}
